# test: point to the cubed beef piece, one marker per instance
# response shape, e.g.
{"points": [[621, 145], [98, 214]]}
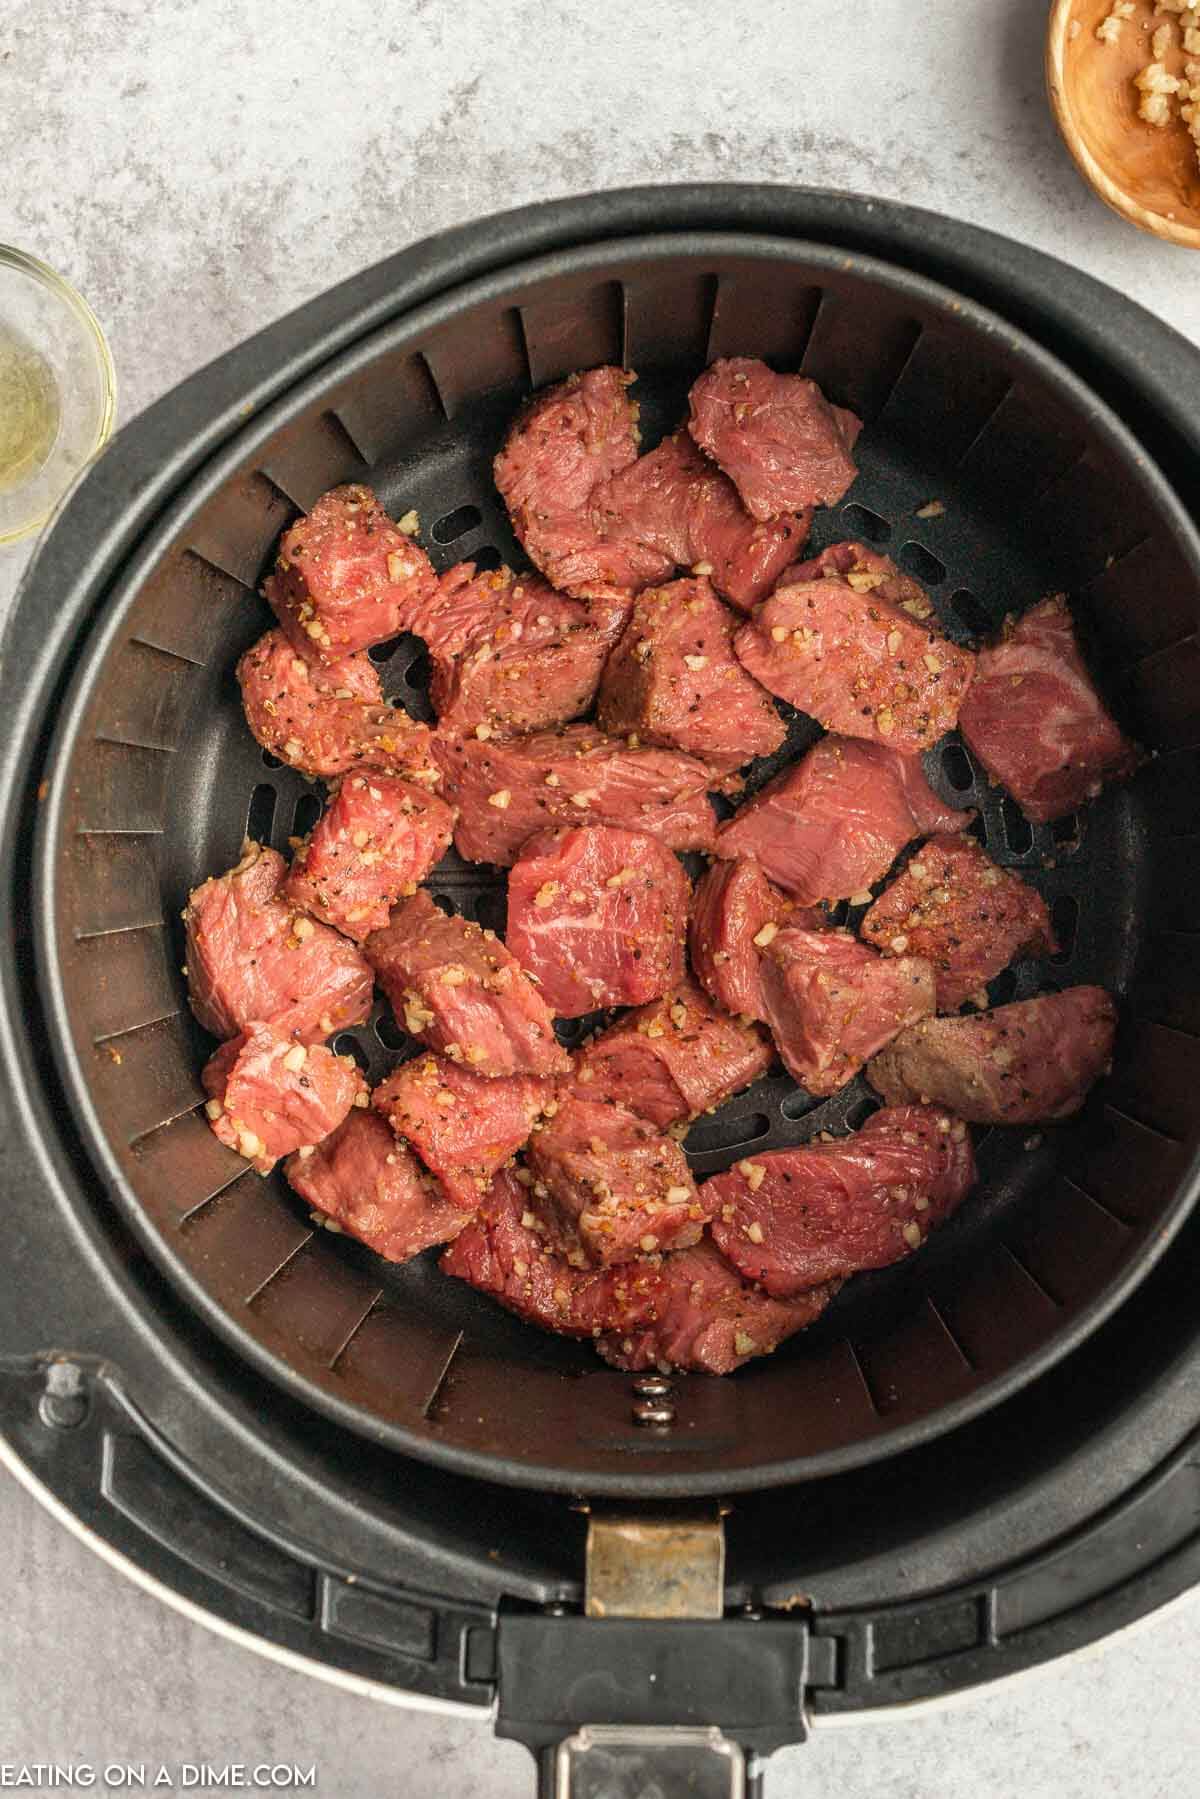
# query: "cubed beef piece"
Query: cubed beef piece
{"points": [[687, 1310], [503, 1254], [371, 1186], [696, 1312], [510, 654], [673, 1059], [563, 444], [673, 680], [735, 914], [839, 650], [269, 1095], [953, 906], [459, 989], [793, 1219], [326, 719], [376, 839], [831, 1002], [346, 577], [251, 956], [464, 1126], [673, 508], [834, 822], [1035, 720], [507, 790], [609, 1186], [1029, 1063], [776, 436], [599, 916]]}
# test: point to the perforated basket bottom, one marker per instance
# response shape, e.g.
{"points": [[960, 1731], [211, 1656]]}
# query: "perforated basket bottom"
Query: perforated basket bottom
{"points": [[976, 568]]}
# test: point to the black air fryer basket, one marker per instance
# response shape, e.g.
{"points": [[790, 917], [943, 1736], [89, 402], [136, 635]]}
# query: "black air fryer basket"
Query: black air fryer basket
{"points": [[974, 1460]]}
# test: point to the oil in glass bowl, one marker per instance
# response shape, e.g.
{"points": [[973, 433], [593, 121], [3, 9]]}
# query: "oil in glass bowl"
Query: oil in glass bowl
{"points": [[57, 391], [30, 410]]}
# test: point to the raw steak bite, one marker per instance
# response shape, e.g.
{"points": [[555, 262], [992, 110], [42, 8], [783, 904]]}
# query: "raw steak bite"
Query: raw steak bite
{"points": [[458, 988], [673, 680], [696, 1312], [776, 436], [507, 790], [831, 1002], [1035, 720], [838, 647], [461, 1124], [377, 838], [326, 719], [373, 1188], [1033, 1062], [251, 956], [793, 1219], [953, 906], [673, 1059], [735, 914], [608, 1185], [673, 508], [688, 1310], [346, 577], [503, 1253], [564, 443], [511, 654], [599, 916], [269, 1095], [835, 821]]}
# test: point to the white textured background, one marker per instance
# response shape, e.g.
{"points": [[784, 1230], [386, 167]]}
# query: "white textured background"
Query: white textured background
{"points": [[201, 166]]}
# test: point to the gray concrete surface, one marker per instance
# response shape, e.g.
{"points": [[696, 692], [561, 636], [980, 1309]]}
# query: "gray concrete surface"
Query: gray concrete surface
{"points": [[199, 167]]}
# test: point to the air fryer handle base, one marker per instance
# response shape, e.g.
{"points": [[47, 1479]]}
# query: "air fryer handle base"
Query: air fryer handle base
{"points": [[607, 1761], [619, 1706]]}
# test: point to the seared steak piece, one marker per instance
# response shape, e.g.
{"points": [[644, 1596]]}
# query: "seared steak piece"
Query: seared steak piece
{"points": [[688, 1310], [696, 1312], [457, 988], [673, 680], [776, 436], [830, 825], [1035, 720], [377, 838], [1033, 1062], [733, 906], [564, 443], [510, 654], [251, 956], [953, 906], [269, 1095], [599, 916], [346, 577], [608, 1186], [506, 790], [673, 508], [673, 1059], [326, 719], [461, 1124], [792, 1219], [374, 1188], [831, 1002], [833, 641]]}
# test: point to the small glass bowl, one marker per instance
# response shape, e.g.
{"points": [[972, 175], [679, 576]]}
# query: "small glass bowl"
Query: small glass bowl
{"points": [[53, 333]]}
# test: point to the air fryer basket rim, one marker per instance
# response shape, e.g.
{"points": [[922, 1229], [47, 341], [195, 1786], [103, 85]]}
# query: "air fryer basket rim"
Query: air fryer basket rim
{"points": [[212, 477]]}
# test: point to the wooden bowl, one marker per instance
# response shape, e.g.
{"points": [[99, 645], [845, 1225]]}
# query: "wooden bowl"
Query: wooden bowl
{"points": [[1149, 174]]}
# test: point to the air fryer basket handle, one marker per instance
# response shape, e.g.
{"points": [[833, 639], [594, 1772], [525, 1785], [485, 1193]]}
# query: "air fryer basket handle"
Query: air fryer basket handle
{"points": [[620, 1762], [617, 1706]]}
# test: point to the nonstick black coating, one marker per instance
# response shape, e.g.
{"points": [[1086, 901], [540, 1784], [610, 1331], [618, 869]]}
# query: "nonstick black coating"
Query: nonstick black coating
{"points": [[1039, 488]]}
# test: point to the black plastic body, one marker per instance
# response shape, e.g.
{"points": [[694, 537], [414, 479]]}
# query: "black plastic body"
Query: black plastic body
{"points": [[1066, 1511]]}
